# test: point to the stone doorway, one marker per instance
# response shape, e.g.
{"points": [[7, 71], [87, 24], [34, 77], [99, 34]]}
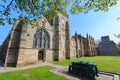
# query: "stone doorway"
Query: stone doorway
{"points": [[41, 56]]}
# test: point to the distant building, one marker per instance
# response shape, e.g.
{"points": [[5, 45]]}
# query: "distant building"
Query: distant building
{"points": [[0, 46], [0, 51], [107, 47]]}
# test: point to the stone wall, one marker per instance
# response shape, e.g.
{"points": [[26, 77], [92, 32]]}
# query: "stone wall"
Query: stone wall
{"points": [[60, 37], [27, 56], [72, 48], [84, 46], [13, 44], [30, 56], [31, 29], [107, 47], [49, 55], [11, 57], [0, 47]]}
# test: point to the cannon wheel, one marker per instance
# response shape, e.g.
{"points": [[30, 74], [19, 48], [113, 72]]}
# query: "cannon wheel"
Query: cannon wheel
{"points": [[70, 68], [91, 74]]}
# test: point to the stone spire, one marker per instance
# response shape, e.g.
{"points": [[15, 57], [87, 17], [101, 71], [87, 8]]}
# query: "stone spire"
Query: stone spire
{"points": [[76, 33], [87, 35]]}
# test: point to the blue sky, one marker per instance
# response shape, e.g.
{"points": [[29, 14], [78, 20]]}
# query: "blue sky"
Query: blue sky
{"points": [[96, 24]]}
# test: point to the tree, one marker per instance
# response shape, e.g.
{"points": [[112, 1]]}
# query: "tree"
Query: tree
{"points": [[118, 47], [118, 35], [33, 9], [97, 42]]}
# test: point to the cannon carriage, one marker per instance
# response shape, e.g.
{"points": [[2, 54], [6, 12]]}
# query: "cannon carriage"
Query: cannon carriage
{"points": [[84, 69]]}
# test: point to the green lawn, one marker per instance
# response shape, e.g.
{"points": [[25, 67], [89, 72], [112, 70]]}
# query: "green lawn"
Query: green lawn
{"points": [[40, 73], [107, 63]]}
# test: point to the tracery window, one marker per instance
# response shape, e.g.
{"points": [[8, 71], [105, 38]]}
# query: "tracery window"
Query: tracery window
{"points": [[41, 39]]}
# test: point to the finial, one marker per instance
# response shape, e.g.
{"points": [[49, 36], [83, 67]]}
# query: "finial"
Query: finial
{"points": [[75, 33]]}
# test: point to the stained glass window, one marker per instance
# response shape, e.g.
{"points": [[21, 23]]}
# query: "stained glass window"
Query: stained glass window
{"points": [[41, 39]]}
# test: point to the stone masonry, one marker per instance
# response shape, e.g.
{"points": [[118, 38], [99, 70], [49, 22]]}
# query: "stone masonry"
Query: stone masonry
{"points": [[107, 47]]}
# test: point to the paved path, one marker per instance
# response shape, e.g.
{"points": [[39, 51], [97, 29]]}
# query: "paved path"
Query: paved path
{"points": [[11, 69], [59, 70]]}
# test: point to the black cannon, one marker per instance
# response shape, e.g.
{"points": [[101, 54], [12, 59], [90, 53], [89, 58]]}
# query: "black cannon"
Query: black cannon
{"points": [[84, 69]]}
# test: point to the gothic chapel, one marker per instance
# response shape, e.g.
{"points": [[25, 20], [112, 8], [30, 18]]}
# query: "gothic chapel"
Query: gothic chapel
{"points": [[46, 41]]}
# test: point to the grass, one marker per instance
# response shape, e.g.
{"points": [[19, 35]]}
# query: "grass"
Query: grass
{"points": [[107, 63], [40, 73], [113, 57]]}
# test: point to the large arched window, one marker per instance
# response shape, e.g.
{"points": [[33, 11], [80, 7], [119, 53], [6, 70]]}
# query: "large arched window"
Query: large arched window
{"points": [[41, 39]]}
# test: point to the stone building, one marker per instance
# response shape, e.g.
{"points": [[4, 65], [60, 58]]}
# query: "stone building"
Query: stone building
{"points": [[0, 47], [46, 41], [82, 46], [107, 47]]}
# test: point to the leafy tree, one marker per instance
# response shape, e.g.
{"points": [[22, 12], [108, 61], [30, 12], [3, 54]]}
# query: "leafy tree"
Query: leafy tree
{"points": [[97, 42], [118, 35], [118, 47], [33, 9]]}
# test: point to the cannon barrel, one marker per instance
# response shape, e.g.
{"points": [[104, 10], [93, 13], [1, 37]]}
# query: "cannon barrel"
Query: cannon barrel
{"points": [[84, 69]]}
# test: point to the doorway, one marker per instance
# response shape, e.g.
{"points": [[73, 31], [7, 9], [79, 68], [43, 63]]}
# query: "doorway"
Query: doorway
{"points": [[41, 56]]}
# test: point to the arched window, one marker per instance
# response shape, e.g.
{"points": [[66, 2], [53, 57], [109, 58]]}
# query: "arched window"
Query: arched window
{"points": [[41, 39]]}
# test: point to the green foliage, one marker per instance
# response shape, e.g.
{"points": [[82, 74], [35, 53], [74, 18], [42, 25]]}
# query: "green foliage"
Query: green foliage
{"points": [[38, 29], [33, 9], [40, 73], [118, 47], [118, 36], [107, 63], [87, 5]]}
